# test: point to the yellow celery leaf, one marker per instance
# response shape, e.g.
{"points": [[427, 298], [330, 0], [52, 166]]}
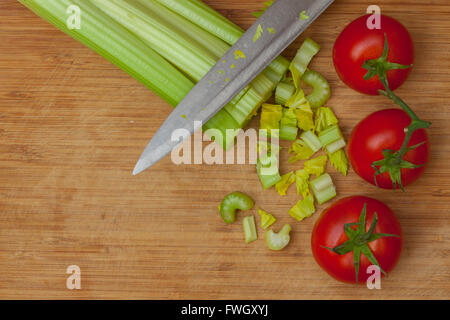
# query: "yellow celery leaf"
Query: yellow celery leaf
{"points": [[339, 161], [304, 208], [305, 117], [302, 182], [301, 150], [270, 117], [266, 218], [316, 165], [283, 185], [325, 118]]}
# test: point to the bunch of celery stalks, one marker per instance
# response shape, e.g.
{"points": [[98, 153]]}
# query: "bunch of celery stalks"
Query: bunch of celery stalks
{"points": [[169, 45]]}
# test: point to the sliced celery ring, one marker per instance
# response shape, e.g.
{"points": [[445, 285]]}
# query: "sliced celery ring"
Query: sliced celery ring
{"points": [[233, 202], [321, 89]]}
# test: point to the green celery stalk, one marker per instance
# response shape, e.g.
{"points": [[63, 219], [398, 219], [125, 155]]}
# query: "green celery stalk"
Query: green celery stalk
{"points": [[179, 49], [267, 180], [285, 90], [249, 229], [288, 125], [244, 109], [335, 146], [330, 135], [109, 39], [323, 188], [205, 17], [311, 140], [213, 22], [195, 34]]}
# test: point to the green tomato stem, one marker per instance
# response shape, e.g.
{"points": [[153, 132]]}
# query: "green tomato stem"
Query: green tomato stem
{"points": [[394, 160]]}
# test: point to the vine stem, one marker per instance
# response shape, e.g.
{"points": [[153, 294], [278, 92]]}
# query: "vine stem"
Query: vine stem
{"points": [[415, 124], [380, 67]]}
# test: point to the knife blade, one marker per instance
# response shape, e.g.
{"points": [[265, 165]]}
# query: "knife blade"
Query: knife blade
{"points": [[287, 18]]}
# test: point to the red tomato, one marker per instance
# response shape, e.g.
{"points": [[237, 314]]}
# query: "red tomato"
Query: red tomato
{"points": [[329, 232], [357, 44], [385, 130]]}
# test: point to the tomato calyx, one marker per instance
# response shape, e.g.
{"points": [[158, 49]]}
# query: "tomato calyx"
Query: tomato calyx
{"points": [[393, 160], [358, 240], [393, 163]]}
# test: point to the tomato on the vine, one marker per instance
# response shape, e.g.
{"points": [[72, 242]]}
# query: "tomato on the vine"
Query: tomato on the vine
{"points": [[357, 43], [385, 130], [353, 234]]}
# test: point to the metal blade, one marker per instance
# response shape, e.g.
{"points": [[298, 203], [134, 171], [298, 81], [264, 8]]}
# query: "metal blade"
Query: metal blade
{"points": [[222, 82]]}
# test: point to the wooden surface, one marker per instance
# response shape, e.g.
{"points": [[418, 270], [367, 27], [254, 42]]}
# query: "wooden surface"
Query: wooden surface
{"points": [[72, 127]]}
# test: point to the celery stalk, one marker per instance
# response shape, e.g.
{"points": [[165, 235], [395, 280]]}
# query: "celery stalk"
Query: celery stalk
{"points": [[304, 55], [245, 107], [112, 41], [288, 125], [213, 22], [330, 135], [249, 229], [207, 18], [179, 49], [285, 90], [321, 88], [335, 146], [311, 140], [323, 188]]}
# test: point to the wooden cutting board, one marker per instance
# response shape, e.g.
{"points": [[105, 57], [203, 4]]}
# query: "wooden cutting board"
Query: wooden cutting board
{"points": [[72, 126]]}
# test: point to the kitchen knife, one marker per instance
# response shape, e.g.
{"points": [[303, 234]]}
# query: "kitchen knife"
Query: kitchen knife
{"points": [[287, 19]]}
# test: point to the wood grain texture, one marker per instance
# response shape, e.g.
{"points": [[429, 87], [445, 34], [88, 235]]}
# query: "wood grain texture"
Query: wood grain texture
{"points": [[72, 126]]}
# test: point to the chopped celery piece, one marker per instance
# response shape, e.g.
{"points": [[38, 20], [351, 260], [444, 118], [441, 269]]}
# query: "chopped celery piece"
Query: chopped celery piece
{"points": [[323, 188], [316, 165], [277, 241], [287, 132], [285, 182], [330, 135], [304, 55], [305, 117], [321, 89], [277, 69], [335, 146], [304, 208], [311, 140], [288, 125], [324, 118], [270, 117], [266, 218], [301, 150], [285, 90], [108, 38], [302, 182], [269, 179], [298, 99], [249, 229], [263, 86], [243, 110], [339, 161], [232, 202]]}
